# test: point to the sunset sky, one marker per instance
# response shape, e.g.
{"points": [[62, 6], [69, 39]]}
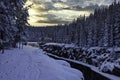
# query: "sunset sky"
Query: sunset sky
{"points": [[53, 12]]}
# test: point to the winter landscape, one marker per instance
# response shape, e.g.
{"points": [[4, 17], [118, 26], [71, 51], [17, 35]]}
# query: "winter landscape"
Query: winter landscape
{"points": [[59, 39]]}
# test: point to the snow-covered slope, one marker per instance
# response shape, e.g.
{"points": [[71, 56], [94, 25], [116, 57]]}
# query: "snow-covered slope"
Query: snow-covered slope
{"points": [[31, 64]]}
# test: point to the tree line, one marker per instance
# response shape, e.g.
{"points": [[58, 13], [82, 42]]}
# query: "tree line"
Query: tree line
{"points": [[99, 29]]}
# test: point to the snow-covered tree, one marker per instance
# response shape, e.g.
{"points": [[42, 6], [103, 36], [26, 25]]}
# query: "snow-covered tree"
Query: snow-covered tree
{"points": [[13, 18]]}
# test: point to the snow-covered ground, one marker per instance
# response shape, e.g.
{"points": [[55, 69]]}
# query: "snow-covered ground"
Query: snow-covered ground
{"points": [[32, 64]]}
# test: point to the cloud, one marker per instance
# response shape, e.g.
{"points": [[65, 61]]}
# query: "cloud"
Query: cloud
{"points": [[60, 5], [52, 12], [56, 1]]}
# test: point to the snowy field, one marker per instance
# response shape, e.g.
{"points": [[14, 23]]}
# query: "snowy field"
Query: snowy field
{"points": [[31, 64]]}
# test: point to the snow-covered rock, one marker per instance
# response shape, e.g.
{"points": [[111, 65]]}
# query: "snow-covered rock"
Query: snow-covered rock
{"points": [[107, 67]]}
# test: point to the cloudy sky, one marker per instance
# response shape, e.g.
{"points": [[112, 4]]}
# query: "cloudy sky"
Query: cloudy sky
{"points": [[53, 12]]}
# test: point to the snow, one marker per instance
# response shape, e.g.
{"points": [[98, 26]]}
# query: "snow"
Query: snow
{"points": [[63, 63], [54, 44], [94, 48], [93, 68], [107, 66], [62, 45], [71, 46], [114, 49], [117, 63], [32, 64], [100, 57], [34, 44]]}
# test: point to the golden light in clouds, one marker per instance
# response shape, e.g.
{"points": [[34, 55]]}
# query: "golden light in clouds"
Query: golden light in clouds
{"points": [[34, 12], [53, 12], [60, 5], [28, 3], [42, 24], [38, 12], [69, 14]]}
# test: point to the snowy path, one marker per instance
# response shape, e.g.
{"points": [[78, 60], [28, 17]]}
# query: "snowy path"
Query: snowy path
{"points": [[31, 64]]}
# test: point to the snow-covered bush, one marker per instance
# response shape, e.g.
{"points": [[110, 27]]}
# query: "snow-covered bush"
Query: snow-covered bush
{"points": [[107, 67]]}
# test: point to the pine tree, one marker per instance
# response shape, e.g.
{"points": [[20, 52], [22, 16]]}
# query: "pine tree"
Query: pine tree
{"points": [[12, 13]]}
